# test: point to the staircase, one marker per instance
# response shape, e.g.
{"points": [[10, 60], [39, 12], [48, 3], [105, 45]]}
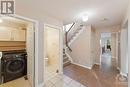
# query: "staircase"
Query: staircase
{"points": [[66, 60], [75, 33]]}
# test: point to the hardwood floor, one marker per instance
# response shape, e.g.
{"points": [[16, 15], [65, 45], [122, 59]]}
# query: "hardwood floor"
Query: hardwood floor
{"points": [[99, 76]]}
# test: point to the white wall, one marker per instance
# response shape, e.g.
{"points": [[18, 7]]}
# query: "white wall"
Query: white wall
{"points": [[81, 49], [124, 57], [119, 52], [114, 45], [93, 47], [127, 18], [98, 32], [23, 9], [129, 43]]}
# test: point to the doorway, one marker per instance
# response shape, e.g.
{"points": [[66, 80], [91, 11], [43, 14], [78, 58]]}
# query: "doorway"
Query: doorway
{"points": [[109, 50], [114, 56], [52, 54], [18, 34], [106, 44]]}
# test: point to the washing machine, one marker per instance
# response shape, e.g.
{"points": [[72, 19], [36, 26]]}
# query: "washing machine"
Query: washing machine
{"points": [[13, 65]]}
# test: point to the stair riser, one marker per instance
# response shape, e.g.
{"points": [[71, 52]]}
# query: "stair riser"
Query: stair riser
{"points": [[66, 59]]}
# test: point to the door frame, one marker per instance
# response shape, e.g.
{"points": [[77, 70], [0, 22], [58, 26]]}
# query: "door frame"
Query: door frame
{"points": [[101, 46], [36, 25], [60, 47]]}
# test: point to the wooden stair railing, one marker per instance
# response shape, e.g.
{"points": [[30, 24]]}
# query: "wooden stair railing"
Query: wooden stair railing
{"points": [[66, 37]]}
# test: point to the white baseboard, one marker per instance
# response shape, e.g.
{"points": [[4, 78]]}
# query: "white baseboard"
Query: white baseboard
{"points": [[97, 63], [82, 65], [41, 85], [124, 74]]}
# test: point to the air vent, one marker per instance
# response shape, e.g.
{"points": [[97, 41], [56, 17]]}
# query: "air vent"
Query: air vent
{"points": [[81, 25], [104, 19]]}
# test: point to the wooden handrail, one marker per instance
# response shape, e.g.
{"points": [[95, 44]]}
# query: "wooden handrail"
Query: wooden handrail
{"points": [[71, 27], [66, 35]]}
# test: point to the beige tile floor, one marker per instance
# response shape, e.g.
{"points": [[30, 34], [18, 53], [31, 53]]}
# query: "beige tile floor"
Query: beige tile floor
{"points": [[50, 71], [21, 82], [56, 81], [62, 81]]}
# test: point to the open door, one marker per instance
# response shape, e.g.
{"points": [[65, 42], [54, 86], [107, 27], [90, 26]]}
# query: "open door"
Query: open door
{"points": [[52, 52]]}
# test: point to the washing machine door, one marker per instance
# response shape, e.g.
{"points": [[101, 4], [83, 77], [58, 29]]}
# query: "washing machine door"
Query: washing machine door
{"points": [[15, 66]]}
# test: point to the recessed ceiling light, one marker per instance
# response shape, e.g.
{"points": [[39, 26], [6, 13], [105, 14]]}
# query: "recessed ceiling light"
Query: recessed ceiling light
{"points": [[1, 20]]}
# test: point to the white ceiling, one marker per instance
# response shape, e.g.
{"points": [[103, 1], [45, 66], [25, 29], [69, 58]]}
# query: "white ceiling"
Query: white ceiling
{"points": [[13, 22], [70, 10]]}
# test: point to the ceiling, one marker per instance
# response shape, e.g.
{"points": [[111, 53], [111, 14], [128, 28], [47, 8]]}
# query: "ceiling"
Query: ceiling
{"points": [[13, 22], [102, 12]]}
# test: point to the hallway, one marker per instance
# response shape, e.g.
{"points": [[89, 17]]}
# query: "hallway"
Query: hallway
{"points": [[99, 76]]}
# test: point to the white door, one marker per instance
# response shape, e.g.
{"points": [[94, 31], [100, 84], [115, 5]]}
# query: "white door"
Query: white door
{"points": [[52, 48], [30, 54]]}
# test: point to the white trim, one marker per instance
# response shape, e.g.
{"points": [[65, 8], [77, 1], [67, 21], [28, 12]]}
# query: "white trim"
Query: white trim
{"points": [[61, 50], [41, 85], [117, 50], [76, 36], [36, 24], [36, 54], [52, 26], [81, 65]]}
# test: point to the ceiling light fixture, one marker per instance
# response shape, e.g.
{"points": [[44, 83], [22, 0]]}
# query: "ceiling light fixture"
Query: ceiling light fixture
{"points": [[85, 17], [1, 20]]}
